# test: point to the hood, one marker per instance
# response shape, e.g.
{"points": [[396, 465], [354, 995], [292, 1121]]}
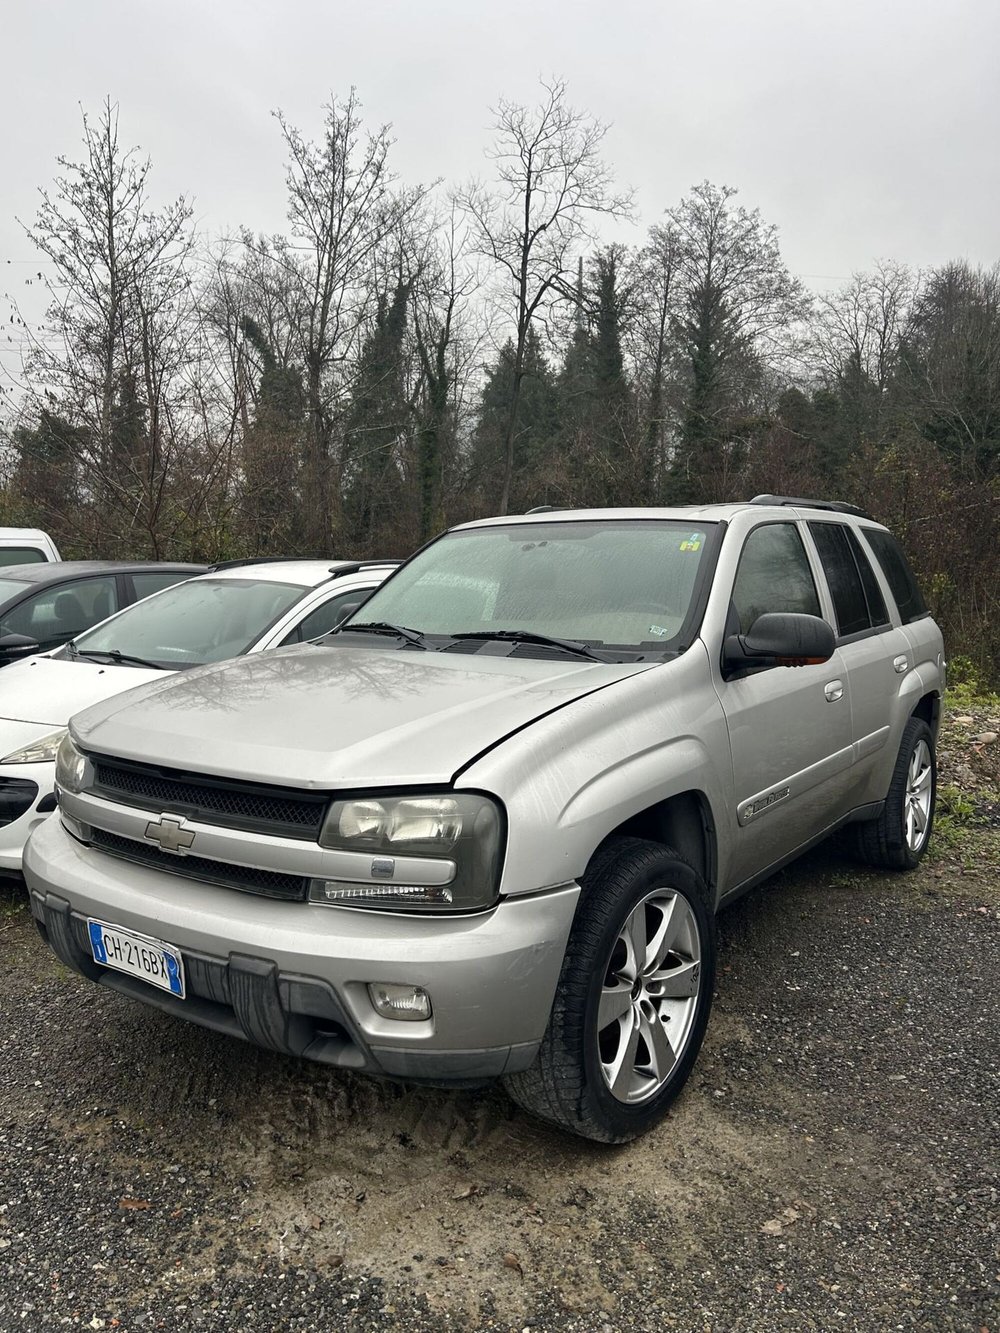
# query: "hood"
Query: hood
{"points": [[49, 690], [334, 716]]}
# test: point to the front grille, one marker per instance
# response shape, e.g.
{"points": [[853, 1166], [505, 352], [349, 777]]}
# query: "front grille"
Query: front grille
{"points": [[269, 883], [242, 805]]}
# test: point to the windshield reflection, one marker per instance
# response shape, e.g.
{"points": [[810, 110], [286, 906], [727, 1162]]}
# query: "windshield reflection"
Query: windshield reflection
{"points": [[624, 584], [194, 623]]}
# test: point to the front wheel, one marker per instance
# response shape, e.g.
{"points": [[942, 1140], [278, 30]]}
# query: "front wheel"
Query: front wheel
{"points": [[898, 838], [633, 997]]}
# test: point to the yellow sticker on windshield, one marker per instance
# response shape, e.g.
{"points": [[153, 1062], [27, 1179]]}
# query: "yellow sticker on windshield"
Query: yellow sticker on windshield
{"points": [[692, 543]]}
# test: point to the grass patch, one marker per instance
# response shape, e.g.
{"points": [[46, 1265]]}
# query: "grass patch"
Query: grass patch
{"points": [[966, 692], [954, 814]]}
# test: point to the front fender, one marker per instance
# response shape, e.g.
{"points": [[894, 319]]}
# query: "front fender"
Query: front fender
{"points": [[572, 778]]}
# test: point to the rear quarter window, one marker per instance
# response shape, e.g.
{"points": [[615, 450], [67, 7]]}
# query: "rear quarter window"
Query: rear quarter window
{"points": [[898, 574], [857, 600]]}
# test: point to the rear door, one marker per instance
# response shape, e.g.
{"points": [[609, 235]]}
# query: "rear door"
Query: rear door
{"points": [[875, 654], [789, 728], [922, 633]]}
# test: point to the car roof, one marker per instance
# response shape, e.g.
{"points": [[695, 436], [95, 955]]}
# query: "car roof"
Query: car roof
{"points": [[17, 534], [55, 571], [764, 505], [306, 573]]}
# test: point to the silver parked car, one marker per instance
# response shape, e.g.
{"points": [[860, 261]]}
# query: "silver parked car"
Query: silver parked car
{"points": [[483, 828]]}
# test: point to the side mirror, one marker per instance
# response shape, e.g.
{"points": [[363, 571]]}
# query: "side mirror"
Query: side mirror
{"points": [[13, 646], [779, 639]]}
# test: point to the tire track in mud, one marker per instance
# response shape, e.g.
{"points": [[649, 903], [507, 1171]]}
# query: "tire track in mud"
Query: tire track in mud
{"points": [[467, 1199]]}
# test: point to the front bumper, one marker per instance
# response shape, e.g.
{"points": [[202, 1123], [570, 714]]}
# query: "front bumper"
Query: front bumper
{"points": [[294, 976], [14, 835]]}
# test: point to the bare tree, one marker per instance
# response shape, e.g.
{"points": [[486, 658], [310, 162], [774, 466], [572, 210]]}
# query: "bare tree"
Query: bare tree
{"points": [[655, 284], [443, 329], [858, 334], [952, 365], [250, 305], [344, 207], [737, 299], [125, 368], [553, 185]]}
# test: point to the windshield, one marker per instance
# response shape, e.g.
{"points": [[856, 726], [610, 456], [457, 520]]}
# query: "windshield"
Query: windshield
{"points": [[205, 620], [606, 583]]}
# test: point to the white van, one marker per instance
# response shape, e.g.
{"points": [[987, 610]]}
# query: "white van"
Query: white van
{"points": [[26, 546]]}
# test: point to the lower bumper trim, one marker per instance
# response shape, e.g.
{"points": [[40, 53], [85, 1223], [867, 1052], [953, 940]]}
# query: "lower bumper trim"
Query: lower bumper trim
{"points": [[249, 998]]}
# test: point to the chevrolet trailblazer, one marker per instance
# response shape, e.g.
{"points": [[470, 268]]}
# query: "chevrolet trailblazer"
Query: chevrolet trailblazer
{"points": [[483, 828]]}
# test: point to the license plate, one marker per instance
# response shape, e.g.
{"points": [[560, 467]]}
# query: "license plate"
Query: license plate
{"points": [[138, 955]]}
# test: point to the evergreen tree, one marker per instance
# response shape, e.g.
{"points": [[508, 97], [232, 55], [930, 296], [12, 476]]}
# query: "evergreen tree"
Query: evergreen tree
{"points": [[536, 477], [377, 431], [271, 453], [46, 474]]}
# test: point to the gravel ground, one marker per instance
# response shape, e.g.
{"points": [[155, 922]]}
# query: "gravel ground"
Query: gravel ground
{"points": [[833, 1163]]}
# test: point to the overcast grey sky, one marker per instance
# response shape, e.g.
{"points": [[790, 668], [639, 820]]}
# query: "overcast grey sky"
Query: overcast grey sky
{"points": [[863, 129]]}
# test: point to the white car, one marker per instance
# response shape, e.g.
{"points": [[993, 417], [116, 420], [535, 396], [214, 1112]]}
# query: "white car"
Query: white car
{"points": [[225, 613], [26, 546]]}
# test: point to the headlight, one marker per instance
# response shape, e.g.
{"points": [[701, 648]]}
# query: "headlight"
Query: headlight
{"points": [[38, 752], [459, 828], [71, 766]]}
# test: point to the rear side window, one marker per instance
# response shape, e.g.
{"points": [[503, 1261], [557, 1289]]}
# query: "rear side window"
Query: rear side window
{"points": [[324, 618], [898, 574], [857, 601], [774, 575], [146, 584]]}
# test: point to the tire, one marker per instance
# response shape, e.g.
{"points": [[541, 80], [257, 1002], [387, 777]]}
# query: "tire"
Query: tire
{"points": [[898, 838], [612, 1080]]}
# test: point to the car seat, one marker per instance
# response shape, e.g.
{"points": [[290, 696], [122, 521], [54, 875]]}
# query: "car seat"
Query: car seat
{"points": [[68, 616]]}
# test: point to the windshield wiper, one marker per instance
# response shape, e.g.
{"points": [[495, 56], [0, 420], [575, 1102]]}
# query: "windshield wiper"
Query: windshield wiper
{"points": [[528, 636], [384, 627], [116, 656]]}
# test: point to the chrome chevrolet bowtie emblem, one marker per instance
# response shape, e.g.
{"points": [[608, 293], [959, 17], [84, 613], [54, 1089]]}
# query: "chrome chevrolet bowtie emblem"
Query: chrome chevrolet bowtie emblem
{"points": [[171, 835]]}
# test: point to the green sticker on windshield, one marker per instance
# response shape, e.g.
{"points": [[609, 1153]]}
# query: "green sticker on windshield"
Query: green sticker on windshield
{"points": [[692, 543]]}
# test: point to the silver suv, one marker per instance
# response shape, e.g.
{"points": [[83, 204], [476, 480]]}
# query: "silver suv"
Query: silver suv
{"points": [[483, 828]]}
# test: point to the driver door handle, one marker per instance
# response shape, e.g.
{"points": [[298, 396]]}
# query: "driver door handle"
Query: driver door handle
{"points": [[834, 690]]}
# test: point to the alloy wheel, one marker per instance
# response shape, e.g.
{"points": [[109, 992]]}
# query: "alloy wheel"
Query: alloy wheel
{"points": [[649, 996], [917, 800]]}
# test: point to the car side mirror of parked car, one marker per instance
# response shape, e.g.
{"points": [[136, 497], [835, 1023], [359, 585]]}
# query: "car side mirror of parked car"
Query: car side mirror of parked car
{"points": [[13, 646], [779, 639]]}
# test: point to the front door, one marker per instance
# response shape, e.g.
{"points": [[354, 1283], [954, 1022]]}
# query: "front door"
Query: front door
{"points": [[790, 728]]}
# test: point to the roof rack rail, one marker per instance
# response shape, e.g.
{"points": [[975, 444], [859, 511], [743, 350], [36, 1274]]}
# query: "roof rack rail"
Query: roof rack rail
{"points": [[798, 502], [337, 571], [258, 560], [542, 509], [349, 567]]}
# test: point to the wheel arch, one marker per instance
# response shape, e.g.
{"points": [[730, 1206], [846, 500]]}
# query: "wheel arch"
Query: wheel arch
{"points": [[928, 708], [683, 822]]}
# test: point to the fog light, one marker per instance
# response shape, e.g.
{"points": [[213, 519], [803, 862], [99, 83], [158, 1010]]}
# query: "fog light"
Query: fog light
{"points": [[409, 1003]]}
